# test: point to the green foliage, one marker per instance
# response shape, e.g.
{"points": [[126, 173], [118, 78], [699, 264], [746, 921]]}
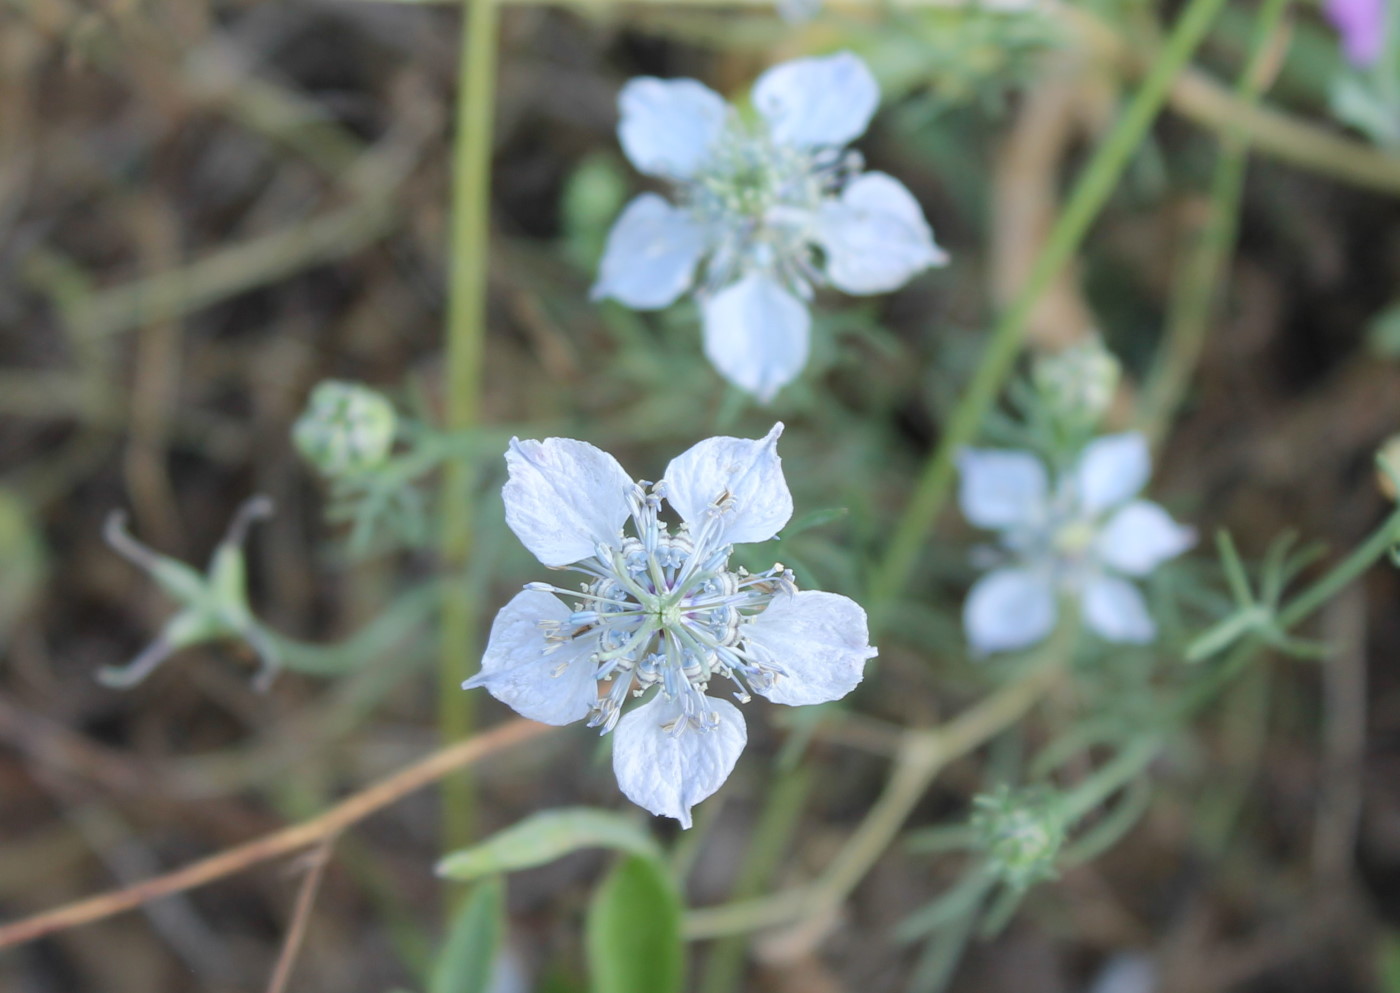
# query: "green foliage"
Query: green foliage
{"points": [[547, 836], [468, 955], [633, 931], [22, 564]]}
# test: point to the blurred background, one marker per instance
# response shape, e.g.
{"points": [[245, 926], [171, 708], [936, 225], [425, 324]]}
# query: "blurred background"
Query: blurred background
{"points": [[208, 206]]}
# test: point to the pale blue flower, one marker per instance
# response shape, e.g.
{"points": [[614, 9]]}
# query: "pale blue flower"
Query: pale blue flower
{"points": [[765, 209], [661, 612], [1083, 537]]}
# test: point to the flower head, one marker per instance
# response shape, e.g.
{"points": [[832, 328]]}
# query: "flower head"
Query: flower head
{"points": [[772, 207], [660, 611], [1081, 537]]}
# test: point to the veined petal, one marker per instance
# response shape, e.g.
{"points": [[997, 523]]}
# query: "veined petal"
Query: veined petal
{"points": [[1002, 489], [668, 126], [564, 498], [1116, 611], [554, 688], [811, 102], [737, 480], [1142, 536], [1009, 609], [821, 640], [651, 255], [757, 335], [875, 236], [1112, 470], [668, 773]]}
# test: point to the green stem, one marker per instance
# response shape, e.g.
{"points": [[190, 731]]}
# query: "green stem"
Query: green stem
{"points": [[466, 329], [1299, 609], [1090, 194], [1117, 773], [1199, 292], [1375, 548], [771, 840], [921, 756]]}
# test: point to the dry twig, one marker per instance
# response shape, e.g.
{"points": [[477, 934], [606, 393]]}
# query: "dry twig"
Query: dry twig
{"points": [[352, 810]]}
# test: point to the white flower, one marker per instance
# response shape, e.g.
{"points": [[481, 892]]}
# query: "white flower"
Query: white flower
{"points": [[661, 611], [1079, 538], [771, 207]]}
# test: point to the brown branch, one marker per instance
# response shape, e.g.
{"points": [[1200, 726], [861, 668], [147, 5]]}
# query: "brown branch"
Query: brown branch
{"points": [[350, 811], [301, 917]]}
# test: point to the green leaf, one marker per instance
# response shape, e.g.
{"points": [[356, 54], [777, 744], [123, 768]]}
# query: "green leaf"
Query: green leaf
{"points": [[546, 837], [465, 961], [633, 932]]}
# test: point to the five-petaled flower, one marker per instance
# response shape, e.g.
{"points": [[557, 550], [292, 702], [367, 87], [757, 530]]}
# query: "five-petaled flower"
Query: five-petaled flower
{"points": [[774, 206], [1077, 538], [661, 612]]}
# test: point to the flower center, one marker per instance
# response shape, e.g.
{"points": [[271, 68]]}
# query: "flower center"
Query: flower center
{"points": [[758, 199], [666, 610]]}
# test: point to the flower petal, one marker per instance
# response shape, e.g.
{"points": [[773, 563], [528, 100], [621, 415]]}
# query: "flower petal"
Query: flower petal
{"points": [[564, 498], [821, 641], [552, 687], [651, 255], [1115, 610], [738, 480], [1111, 470], [1141, 537], [817, 101], [668, 126], [875, 236], [1002, 489], [757, 335], [1009, 609], [669, 773]]}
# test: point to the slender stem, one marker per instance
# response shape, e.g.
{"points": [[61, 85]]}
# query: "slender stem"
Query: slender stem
{"points": [[1199, 292], [1090, 194], [466, 330], [334, 821], [771, 839], [921, 755], [301, 917], [1375, 548]]}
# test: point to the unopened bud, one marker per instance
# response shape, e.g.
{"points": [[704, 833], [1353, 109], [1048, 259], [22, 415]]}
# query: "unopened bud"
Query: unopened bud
{"points": [[346, 429], [1080, 381], [1021, 832]]}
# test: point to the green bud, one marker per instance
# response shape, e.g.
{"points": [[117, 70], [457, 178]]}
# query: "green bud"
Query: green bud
{"points": [[1021, 831], [1079, 382], [346, 429]]}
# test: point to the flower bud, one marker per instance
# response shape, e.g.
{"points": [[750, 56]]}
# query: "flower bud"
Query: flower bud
{"points": [[346, 429], [1388, 468], [1021, 832], [1079, 382]]}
